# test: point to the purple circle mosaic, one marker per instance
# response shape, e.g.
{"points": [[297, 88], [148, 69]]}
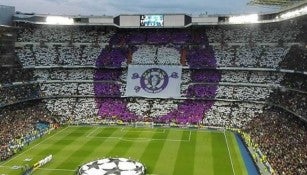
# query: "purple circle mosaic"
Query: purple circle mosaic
{"points": [[198, 95]]}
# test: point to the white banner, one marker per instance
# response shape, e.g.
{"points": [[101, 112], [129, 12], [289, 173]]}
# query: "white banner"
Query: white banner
{"points": [[153, 81]]}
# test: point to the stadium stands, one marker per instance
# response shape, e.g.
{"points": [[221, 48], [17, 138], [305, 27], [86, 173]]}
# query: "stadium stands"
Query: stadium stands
{"points": [[282, 138], [29, 121], [229, 75], [146, 47]]}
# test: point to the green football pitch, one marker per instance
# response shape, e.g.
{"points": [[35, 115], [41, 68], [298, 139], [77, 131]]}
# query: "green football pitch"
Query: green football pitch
{"points": [[164, 151]]}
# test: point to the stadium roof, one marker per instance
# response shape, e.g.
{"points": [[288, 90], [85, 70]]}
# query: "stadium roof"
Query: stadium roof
{"points": [[116, 7], [275, 2]]}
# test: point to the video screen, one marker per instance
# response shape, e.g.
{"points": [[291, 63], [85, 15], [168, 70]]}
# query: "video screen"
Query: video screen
{"points": [[151, 20]]}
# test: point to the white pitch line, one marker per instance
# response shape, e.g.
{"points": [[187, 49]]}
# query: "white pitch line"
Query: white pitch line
{"points": [[5, 166], [144, 131], [136, 140], [190, 136], [233, 171], [18, 155], [208, 130], [172, 140], [143, 139], [89, 134], [125, 130], [52, 169]]}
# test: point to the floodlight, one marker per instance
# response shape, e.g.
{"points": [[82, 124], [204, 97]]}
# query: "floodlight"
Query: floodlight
{"points": [[59, 20], [252, 18]]}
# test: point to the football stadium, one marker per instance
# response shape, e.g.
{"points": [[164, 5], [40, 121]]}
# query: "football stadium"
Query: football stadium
{"points": [[154, 93]]}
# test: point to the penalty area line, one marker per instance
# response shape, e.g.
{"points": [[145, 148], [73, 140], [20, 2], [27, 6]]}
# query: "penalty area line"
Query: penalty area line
{"points": [[190, 136], [150, 131], [89, 134], [143, 139]]}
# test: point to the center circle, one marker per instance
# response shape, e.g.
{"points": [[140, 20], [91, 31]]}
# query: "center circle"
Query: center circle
{"points": [[109, 166]]}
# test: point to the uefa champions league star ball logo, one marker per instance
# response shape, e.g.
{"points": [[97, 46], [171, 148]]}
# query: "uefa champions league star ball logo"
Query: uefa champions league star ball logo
{"points": [[153, 80]]}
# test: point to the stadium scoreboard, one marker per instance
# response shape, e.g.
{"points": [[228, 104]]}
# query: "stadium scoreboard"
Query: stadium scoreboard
{"points": [[153, 20]]}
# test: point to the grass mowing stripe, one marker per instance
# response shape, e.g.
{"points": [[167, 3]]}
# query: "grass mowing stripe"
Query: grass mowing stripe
{"points": [[62, 142], [203, 161], [122, 146], [152, 151], [78, 156], [81, 150], [106, 132], [185, 156], [235, 152], [104, 145], [221, 163], [168, 154], [139, 146], [72, 142]]}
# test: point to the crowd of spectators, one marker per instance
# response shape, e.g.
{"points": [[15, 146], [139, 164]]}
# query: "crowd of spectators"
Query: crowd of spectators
{"points": [[148, 47], [291, 100], [295, 81], [145, 46], [263, 33], [266, 33], [195, 84], [62, 34], [282, 138], [156, 55], [9, 75], [243, 93], [72, 110], [257, 77], [112, 57], [292, 94], [10, 94], [264, 56], [63, 74], [59, 89], [63, 107], [158, 37], [57, 55], [231, 114], [21, 124], [296, 59], [255, 85]]}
